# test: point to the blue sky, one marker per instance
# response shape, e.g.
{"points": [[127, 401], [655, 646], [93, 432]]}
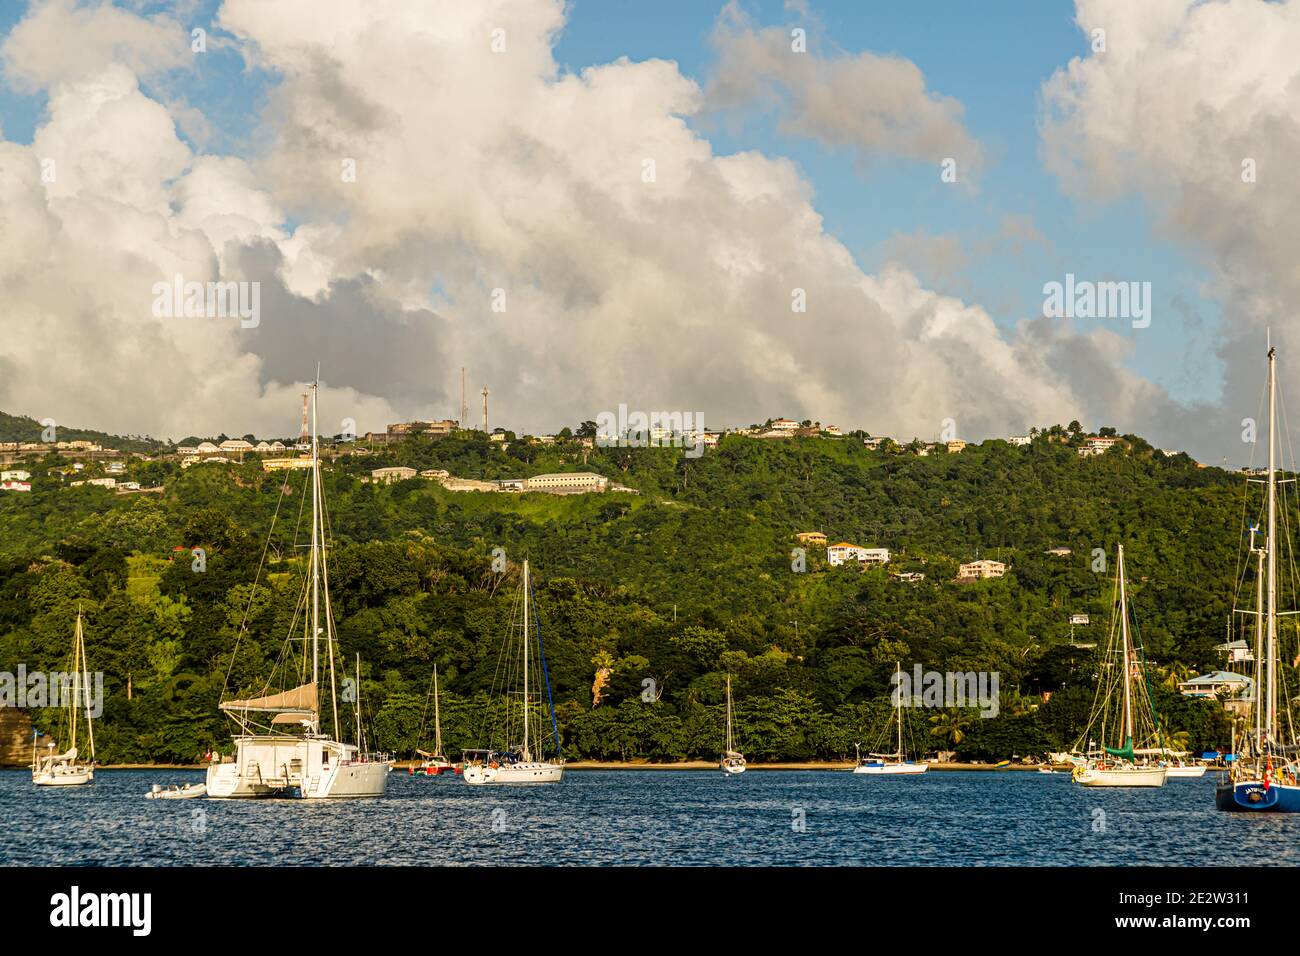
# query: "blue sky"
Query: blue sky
{"points": [[992, 56]]}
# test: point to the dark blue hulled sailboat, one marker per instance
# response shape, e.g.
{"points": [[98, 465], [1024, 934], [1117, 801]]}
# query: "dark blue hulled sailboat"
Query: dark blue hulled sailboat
{"points": [[1264, 776]]}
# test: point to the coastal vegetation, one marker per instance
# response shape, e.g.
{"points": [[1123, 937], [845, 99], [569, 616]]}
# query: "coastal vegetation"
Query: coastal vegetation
{"points": [[648, 598]]}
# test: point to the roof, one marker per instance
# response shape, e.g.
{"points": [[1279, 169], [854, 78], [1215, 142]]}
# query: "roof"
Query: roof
{"points": [[1219, 677], [845, 544]]}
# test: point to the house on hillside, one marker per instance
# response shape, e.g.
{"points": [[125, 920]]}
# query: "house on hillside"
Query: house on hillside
{"points": [[1217, 685], [815, 538], [977, 570], [843, 552]]}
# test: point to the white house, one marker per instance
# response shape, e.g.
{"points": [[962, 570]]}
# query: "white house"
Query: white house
{"points": [[1059, 552], [1097, 446], [837, 554], [975, 570], [784, 425], [572, 482], [1216, 684], [17, 475], [1080, 619], [1019, 440], [207, 448], [1238, 652]]}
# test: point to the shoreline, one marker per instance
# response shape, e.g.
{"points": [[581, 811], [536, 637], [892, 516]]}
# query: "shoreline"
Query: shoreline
{"points": [[604, 765]]}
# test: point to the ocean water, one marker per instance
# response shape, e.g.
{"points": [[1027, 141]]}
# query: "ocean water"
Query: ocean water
{"points": [[648, 818]]}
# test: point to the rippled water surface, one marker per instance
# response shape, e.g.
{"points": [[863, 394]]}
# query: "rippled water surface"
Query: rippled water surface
{"points": [[648, 817]]}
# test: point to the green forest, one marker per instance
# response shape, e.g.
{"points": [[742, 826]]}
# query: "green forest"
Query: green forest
{"points": [[686, 577]]}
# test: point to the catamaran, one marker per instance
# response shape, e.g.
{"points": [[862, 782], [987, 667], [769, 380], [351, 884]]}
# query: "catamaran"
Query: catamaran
{"points": [[733, 761], [65, 770], [897, 762], [519, 760], [1118, 766], [272, 761], [1264, 775], [435, 762]]}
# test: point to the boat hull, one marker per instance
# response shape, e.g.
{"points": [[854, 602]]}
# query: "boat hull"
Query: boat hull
{"points": [[296, 768], [1252, 796], [188, 792], [732, 769], [1184, 772], [890, 769], [1121, 777], [64, 777], [523, 774]]}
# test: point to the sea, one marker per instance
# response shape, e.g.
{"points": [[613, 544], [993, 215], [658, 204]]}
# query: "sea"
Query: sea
{"points": [[648, 818]]}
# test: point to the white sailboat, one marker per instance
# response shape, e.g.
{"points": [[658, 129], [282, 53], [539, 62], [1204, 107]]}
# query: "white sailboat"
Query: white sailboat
{"points": [[65, 769], [273, 762], [732, 762], [520, 762], [1117, 766], [880, 764], [1264, 776]]}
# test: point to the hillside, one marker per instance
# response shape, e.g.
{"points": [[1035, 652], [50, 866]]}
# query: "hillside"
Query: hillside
{"points": [[685, 580], [21, 428]]}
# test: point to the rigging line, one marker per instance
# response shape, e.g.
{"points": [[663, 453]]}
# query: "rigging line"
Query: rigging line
{"points": [[555, 728], [243, 624]]}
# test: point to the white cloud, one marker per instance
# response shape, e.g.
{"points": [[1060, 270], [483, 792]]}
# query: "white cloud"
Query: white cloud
{"points": [[478, 171], [871, 104], [1182, 95]]}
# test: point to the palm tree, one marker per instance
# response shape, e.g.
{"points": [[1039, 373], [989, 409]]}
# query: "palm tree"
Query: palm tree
{"points": [[950, 725]]}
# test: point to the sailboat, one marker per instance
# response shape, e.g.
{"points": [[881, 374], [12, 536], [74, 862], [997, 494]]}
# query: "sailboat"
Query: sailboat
{"points": [[65, 770], [1117, 766], [436, 762], [520, 761], [1264, 775], [273, 761], [897, 762], [732, 762]]}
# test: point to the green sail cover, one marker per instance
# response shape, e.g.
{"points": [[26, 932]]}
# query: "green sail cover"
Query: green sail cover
{"points": [[1126, 751]]}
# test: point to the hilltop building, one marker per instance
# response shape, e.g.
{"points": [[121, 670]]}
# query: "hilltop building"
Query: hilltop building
{"points": [[838, 554], [977, 570]]}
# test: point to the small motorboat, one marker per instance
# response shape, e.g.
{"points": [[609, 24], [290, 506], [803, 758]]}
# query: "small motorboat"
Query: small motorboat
{"points": [[1046, 769], [173, 792]]}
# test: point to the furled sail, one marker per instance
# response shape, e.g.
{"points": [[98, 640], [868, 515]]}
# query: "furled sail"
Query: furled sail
{"points": [[299, 700]]}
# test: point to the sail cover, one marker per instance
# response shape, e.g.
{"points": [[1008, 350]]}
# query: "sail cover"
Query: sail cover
{"points": [[299, 700]]}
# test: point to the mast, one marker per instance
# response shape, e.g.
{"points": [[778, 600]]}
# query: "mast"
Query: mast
{"points": [[729, 746], [437, 724], [1259, 644], [357, 695], [898, 671], [1271, 619], [1123, 617], [76, 679], [315, 547], [527, 756]]}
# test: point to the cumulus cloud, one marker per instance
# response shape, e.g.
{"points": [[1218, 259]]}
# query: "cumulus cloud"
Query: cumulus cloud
{"points": [[634, 263], [870, 104], [1196, 108]]}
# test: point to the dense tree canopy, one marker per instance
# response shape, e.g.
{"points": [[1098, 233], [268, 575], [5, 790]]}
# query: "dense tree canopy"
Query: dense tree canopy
{"points": [[687, 576]]}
